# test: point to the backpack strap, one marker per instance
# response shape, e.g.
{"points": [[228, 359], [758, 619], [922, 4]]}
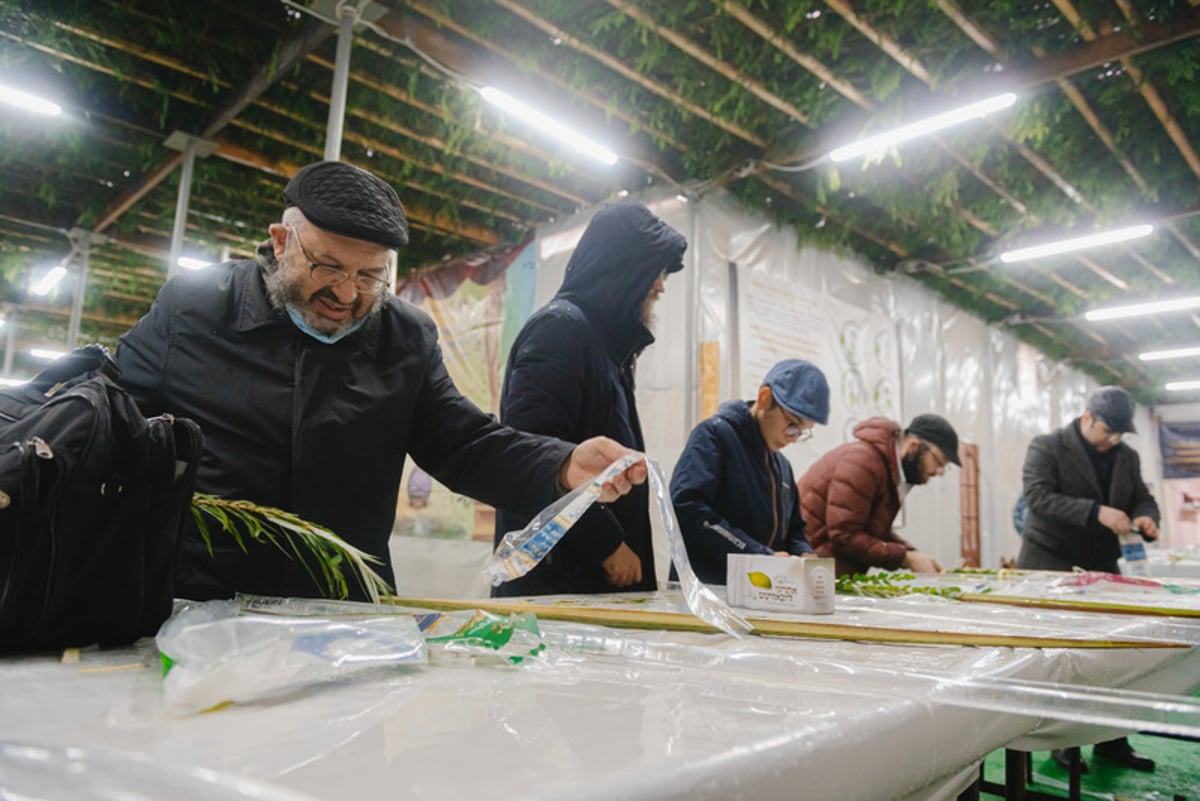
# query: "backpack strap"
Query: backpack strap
{"points": [[88, 360]]}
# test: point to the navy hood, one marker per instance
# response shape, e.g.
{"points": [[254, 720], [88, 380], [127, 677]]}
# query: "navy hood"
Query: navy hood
{"points": [[617, 261]]}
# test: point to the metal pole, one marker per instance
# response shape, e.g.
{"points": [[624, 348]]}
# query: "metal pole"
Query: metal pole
{"points": [[85, 249], [10, 341], [691, 373], [348, 15], [181, 206]]}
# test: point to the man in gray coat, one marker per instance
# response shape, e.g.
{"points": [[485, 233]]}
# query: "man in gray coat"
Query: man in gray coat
{"points": [[1084, 489]]}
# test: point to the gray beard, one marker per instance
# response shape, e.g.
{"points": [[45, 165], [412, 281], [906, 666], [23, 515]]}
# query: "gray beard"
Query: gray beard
{"points": [[283, 292]]}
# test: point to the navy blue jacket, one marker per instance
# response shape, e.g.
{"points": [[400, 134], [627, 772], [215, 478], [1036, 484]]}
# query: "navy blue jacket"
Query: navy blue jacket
{"points": [[733, 495], [570, 375]]}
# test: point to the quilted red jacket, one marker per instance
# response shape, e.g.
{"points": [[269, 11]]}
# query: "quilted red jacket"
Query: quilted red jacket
{"points": [[850, 497]]}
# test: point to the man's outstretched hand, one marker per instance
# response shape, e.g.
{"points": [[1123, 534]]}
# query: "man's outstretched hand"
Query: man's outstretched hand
{"points": [[591, 457]]}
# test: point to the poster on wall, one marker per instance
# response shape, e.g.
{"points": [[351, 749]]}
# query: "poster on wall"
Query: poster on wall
{"points": [[856, 349]]}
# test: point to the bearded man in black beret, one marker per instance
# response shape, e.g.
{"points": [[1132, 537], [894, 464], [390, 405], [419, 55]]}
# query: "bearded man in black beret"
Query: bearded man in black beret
{"points": [[313, 382]]}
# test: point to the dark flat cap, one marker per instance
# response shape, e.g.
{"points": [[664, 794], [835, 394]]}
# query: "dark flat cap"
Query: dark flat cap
{"points": [[801, 388], [1115, 407], [937, 430], [346, 200]]}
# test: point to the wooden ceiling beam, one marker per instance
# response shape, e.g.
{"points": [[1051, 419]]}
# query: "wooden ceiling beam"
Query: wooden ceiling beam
{"points": [[993, 48], [416, 214], [311, 36], [1149, 93], [610, 109], [719, 66], [629, 73]]}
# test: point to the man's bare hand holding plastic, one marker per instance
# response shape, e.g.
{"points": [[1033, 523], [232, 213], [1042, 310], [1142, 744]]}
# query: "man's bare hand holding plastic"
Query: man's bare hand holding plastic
{"points": [[591, 457]]}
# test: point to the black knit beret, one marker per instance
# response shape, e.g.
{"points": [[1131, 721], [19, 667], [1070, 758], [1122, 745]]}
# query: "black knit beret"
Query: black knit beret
{"points": [[349, 201]]}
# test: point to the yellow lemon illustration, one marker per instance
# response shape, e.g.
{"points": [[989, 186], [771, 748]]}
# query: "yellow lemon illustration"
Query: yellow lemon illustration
{"points": [[759, 579]]}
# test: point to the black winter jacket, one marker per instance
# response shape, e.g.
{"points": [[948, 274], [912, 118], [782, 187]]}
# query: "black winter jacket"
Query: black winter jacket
{"points": [[570, 375], [733, 495], [1062, 492], [319, 430]]}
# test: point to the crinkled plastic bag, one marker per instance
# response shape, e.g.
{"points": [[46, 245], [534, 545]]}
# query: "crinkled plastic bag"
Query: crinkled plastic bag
{"points": [[214, 654], [478, 634]]}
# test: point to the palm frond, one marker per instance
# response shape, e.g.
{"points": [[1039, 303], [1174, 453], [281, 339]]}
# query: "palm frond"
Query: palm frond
{"points": [[324, 555]]}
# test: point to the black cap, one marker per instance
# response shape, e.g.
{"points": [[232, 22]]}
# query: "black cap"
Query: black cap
{"points": [[1115, 407], [936, 430], [343, 199]]}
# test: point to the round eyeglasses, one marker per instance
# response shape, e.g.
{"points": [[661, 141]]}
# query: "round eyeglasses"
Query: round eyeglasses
{"points": [[801, 429], [331, 275]]}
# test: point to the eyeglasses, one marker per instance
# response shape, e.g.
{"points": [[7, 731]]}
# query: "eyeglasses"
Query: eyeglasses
{"points": [[938, 456], [800, 428], [331, 275]]}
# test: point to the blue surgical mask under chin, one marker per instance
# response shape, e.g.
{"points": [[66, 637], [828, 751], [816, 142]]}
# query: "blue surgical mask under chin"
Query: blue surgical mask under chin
{"points": [[328, 339]]}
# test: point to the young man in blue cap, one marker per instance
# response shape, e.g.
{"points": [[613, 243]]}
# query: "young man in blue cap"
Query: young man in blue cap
{"points": [[313, 383], [733, 491], [1084, 488]]}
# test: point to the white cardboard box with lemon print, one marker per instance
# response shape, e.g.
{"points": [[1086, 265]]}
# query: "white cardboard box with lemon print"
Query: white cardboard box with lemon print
{"points": [[780, 584]]}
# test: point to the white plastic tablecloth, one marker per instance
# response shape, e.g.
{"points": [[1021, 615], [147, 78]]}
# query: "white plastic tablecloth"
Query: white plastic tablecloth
{"points": [[613, 713]]}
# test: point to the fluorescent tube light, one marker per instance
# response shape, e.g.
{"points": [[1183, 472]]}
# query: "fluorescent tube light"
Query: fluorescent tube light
{"points": [[1174, 353], [548, 125], [874, 144], [1079, 243], [1140, 309], [46, 353], [189, 263], [15, 97], [13, 382], [49, 280], [1179, 386]]}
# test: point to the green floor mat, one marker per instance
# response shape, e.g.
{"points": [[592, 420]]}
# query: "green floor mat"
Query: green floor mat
{"points": [[1177, 773]]}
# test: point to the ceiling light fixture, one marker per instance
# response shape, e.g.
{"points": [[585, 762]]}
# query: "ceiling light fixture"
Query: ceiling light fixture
{"points": [[548, 125], [15, 97], [48, 281], [1180, 386], [190, 263], [1141, 309], [1079, 243], [46, 353], [1174, 353], [879, 142]]}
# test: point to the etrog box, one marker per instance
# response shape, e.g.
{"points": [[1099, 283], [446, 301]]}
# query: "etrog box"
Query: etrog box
{"points": [[780, 584]]}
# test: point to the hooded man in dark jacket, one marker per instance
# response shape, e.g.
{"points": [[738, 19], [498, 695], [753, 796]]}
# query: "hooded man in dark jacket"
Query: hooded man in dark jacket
{"points": [[312, 383], [570, 375], [733, 491]]}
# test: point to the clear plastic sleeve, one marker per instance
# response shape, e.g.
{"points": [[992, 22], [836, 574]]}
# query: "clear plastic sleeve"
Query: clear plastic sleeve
{"points": [[521, 551]]}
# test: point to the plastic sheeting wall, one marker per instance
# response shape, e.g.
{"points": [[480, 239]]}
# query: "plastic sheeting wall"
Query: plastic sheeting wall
{"points": [[998, 392]]}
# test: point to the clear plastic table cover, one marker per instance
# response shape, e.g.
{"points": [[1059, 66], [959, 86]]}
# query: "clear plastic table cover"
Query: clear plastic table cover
{"points": [[35, 773], [617, 713]]}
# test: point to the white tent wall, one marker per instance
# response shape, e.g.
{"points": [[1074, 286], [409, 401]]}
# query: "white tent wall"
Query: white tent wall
{"points": [[998, 392]]}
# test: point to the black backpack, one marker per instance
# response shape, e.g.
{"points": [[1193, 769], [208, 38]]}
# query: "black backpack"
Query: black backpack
{"points": [[93, 499]]}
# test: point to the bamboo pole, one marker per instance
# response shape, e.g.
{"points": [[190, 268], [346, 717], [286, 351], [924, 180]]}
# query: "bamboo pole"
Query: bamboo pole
{"points": [[1079, 606], [674, 621]]}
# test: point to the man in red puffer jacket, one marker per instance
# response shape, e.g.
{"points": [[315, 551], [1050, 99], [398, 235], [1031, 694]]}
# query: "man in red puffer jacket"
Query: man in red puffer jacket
{"points": [[851, 496]]}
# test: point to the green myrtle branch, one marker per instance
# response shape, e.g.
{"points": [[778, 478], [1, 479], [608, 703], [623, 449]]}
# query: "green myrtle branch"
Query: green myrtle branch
{"points": [[891, 585], [296, 538]]}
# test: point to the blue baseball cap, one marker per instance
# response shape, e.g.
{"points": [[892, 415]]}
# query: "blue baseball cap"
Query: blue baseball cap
{"points": [[801, 388]]}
